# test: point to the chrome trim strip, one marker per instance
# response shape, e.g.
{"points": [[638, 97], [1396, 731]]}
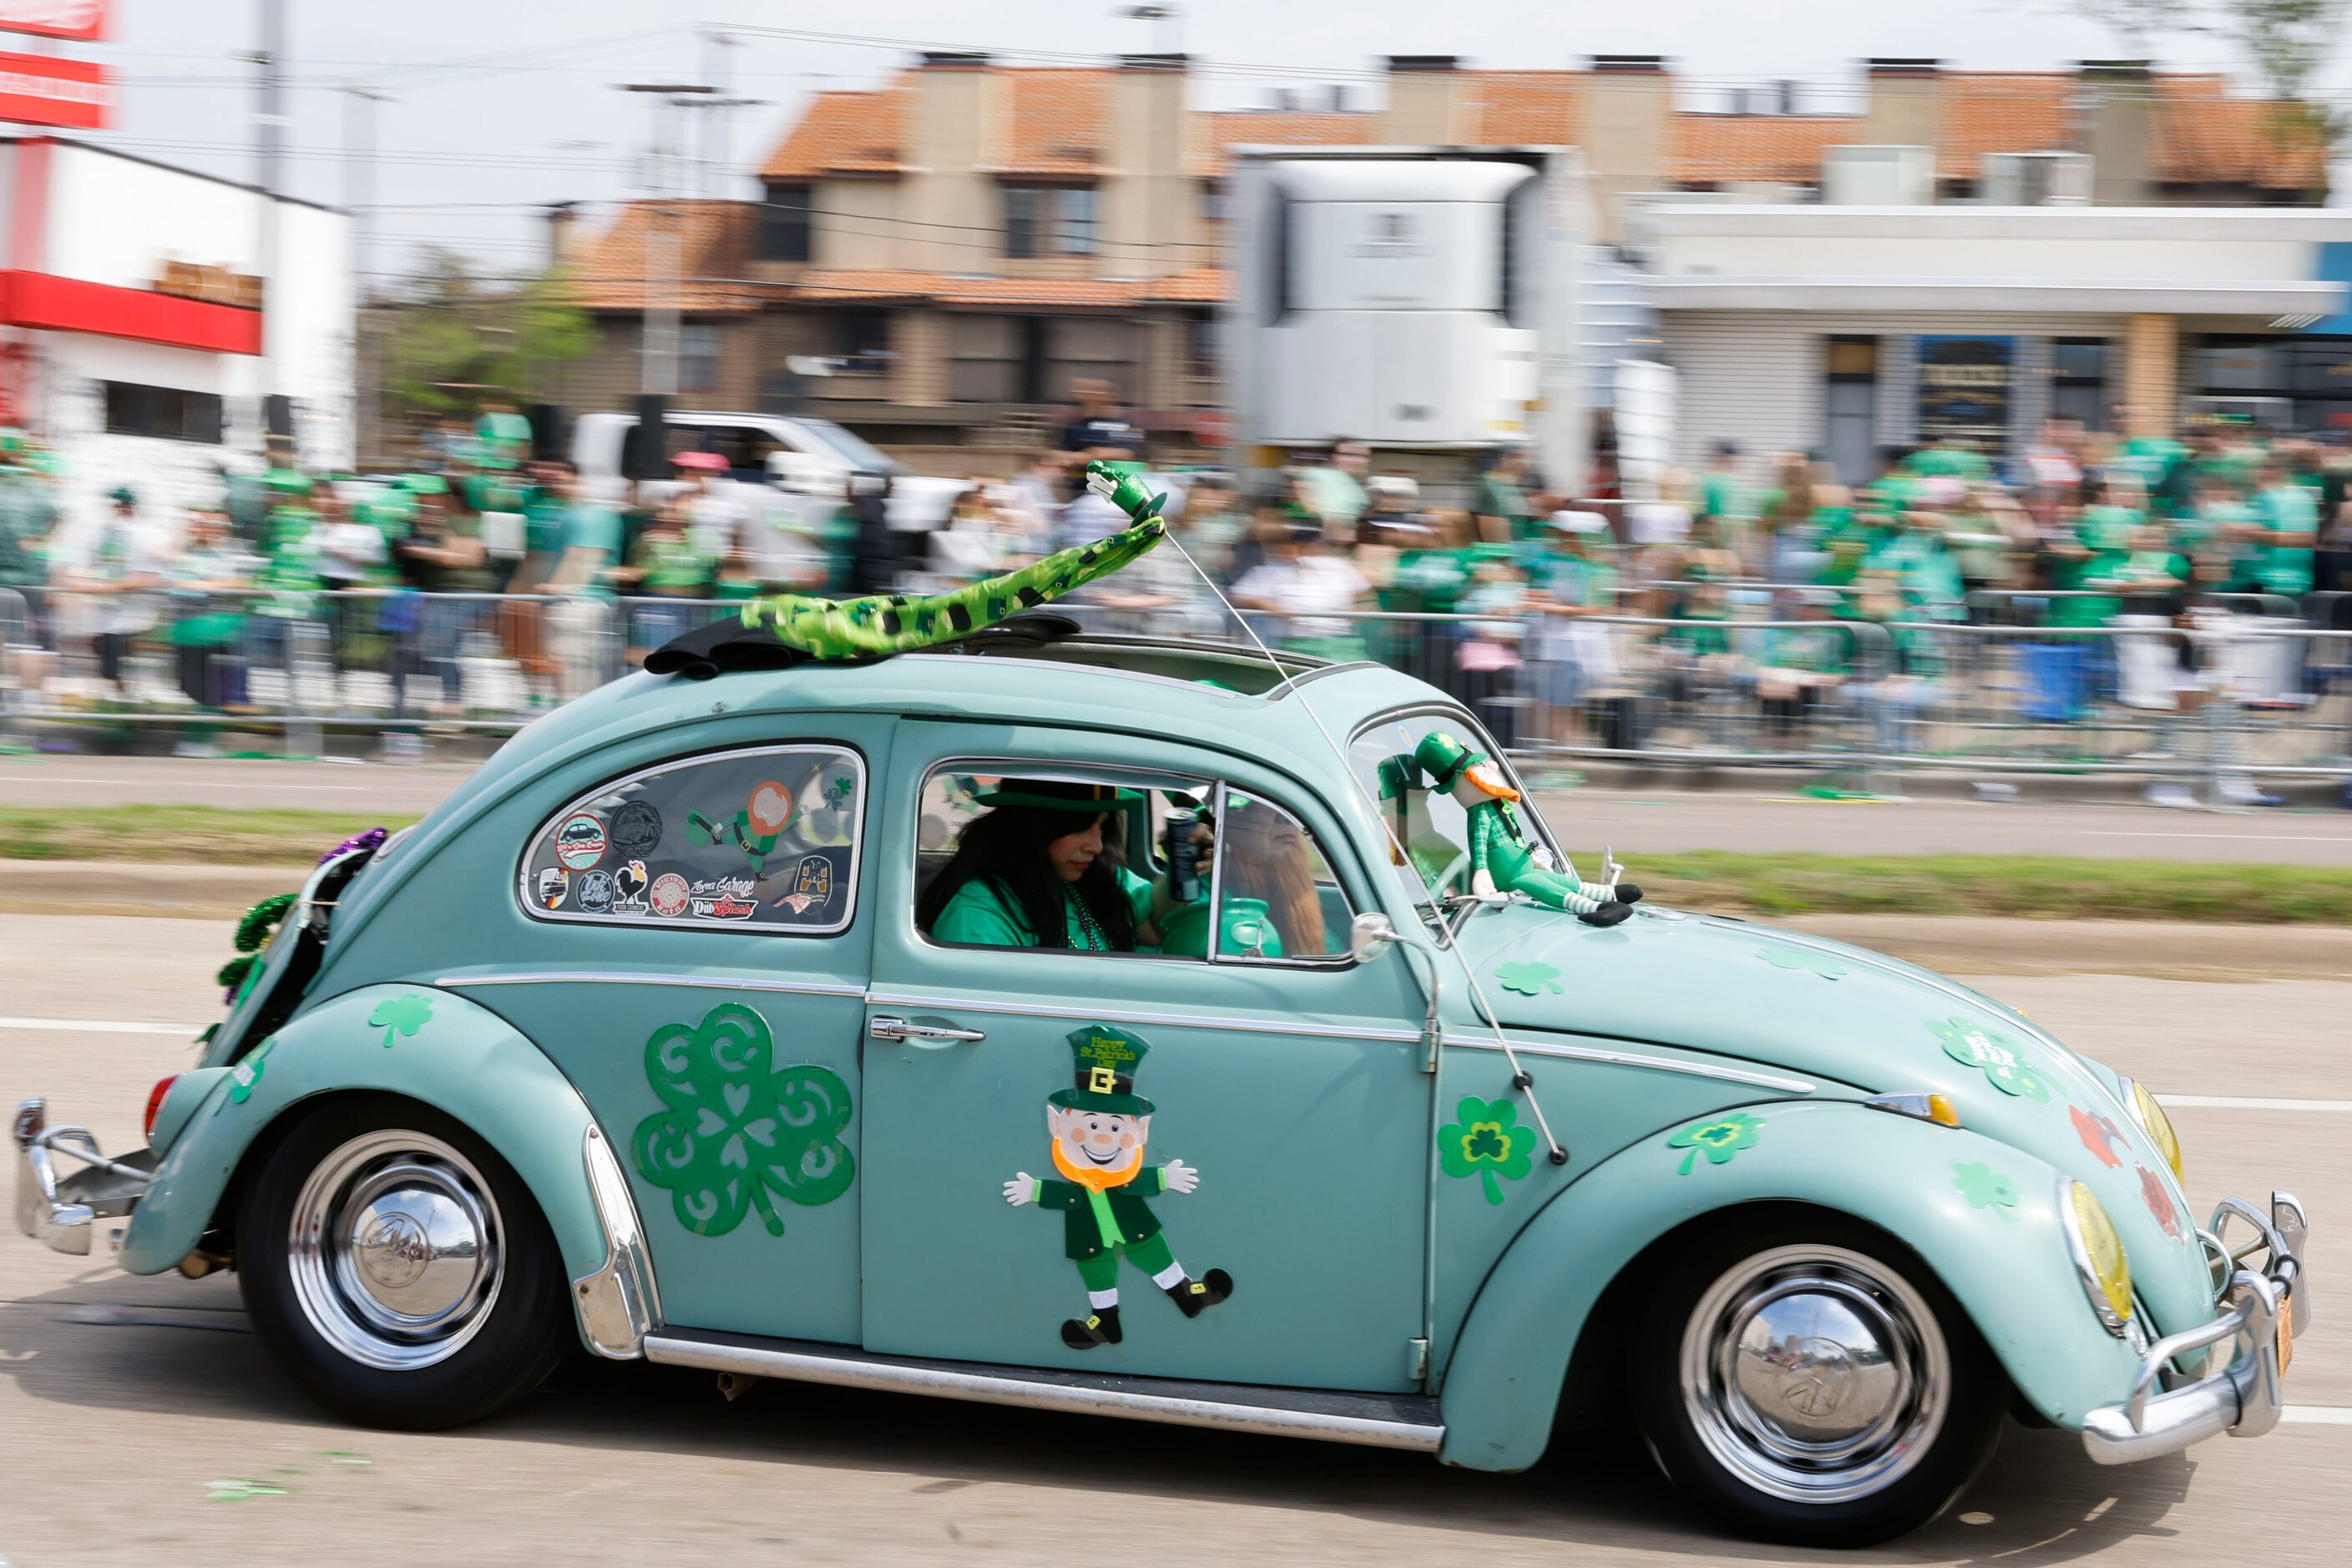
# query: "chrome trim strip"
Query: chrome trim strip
{"points": [[1130, 1016], [618, 1305], [848, 1371], [1634, 1059], [650, 977]]}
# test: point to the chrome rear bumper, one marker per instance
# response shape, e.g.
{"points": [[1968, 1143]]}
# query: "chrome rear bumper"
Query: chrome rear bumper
{"points": [[61, 1212], [2239, 1393]]}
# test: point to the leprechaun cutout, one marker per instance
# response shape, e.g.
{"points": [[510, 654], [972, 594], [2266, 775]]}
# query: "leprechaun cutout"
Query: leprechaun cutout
{"points": [[1501, 860], [1100, 1126]]}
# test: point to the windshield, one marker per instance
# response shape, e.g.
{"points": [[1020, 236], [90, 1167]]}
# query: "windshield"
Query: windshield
{"points": [[1430, 825], [855, 450]]}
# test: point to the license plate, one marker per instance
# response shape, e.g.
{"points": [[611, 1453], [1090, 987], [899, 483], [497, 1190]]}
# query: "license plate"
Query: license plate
{"points": [[2285, 1334]]}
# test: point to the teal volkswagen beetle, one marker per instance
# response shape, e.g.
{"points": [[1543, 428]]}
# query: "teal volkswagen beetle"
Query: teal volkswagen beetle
{"points": [[655, 1036]]}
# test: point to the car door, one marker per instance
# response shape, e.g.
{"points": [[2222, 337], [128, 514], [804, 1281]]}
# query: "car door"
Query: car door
{"points": [[690, 948], [1285, 1113]]}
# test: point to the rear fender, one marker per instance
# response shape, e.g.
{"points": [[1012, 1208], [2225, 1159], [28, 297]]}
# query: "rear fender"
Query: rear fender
{"points": [[449, 1053], [2008, 1267]]}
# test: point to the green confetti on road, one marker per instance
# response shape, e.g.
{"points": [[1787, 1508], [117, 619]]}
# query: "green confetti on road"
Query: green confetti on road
{"points": [[344, 1457], [238, 1490]]}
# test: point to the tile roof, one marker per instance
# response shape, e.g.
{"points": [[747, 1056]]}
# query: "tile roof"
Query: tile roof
{"points": [[1214, 133], [1200, 285], [1058, 121], [714, 253], [1539, 109], [2198, 134], [1702, 149], [846, 132], [2005, 112]]}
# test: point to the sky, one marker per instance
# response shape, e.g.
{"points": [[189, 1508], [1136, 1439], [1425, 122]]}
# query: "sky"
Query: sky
{"points": [[495, 113]]}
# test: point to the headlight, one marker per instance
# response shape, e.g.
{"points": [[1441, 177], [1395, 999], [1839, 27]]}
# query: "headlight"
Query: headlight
{"points": [[2098, 1254], [2155, 1123]]}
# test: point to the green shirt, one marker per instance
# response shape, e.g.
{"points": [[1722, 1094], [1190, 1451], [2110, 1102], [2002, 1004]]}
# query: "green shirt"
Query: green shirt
{"points": [[2284, 569], [978, 914], [2107, 532], [672, 563]]}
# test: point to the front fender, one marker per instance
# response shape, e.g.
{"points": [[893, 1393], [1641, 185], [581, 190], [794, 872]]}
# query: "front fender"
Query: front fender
{"points": [[2009, 1268], [449, 1053]]}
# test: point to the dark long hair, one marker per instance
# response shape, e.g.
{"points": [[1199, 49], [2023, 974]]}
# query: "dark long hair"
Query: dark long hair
{"points": [[1006, 850]]}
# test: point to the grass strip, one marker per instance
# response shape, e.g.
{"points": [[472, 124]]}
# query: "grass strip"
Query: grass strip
{"points": [[2031, 886], [179, 834]]}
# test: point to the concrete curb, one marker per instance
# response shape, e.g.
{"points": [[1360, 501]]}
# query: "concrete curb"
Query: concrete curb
{"points": [[1958, 944]]}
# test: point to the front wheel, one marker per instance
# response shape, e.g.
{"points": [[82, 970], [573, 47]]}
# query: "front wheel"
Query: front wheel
{"points": [[1809, 1388], [398, 1269]]}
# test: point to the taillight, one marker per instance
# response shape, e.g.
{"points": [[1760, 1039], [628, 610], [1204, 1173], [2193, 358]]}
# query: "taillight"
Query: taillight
{"points": [[155, 1103]]}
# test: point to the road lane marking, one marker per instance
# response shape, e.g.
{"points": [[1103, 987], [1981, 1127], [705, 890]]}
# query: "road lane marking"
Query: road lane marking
{"points": [[2240, 1102], [2231, 838], [2318, 1414], [99, 1026]]}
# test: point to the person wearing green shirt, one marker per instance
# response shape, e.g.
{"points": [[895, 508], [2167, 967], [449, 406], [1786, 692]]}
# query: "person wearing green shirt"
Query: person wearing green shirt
{"points": [[670, 565], [1727, 499], [1499, 506], [2095, 554], [2279, 561], [1042, 868]]}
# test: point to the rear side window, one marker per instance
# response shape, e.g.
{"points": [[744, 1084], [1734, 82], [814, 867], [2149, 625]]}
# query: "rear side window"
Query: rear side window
{"points": [[764, 839]]}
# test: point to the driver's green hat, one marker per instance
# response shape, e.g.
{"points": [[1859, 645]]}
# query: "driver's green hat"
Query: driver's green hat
{"points": [[1107, 1059], [1399, 776], [1058, 794], [291, 482], [1443, 758]]}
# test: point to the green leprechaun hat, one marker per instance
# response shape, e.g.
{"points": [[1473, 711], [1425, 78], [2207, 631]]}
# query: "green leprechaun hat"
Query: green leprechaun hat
{"points": [[1106, 1060], [1443, 758], [1058, 794]]}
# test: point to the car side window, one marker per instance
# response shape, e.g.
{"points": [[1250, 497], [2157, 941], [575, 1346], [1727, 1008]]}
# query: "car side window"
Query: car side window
{"points": [[765, 838], [1278, 894]]}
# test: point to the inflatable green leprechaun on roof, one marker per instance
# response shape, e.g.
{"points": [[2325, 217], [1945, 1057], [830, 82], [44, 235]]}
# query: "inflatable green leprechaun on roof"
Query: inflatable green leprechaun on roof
{"points": [[1501, 858], [1100, 1126]]}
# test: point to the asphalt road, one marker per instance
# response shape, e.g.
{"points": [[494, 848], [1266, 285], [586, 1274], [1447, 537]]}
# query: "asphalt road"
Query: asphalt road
{"points": [[1635, 822], [141, 1423]]}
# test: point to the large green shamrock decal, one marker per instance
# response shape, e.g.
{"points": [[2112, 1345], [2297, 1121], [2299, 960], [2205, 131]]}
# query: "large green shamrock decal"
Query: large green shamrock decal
{"points": [[1801, 959], [2001, 1059], [1719, 1139], [1486, 1138], [397, 1015], [735, 1128], [1529, 978], [1985, 1187], [246, 1076]]}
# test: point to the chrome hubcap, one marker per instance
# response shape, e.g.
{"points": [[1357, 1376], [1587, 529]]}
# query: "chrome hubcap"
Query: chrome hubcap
{"points": [[1814, 1374], [396, 1250]]}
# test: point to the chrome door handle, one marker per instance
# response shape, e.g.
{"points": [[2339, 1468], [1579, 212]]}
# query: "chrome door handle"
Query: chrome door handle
{"points": [[900, 1029]]}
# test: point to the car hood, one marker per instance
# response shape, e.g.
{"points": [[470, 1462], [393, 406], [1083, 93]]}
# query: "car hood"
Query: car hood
{"points": [[1829, 1011]]}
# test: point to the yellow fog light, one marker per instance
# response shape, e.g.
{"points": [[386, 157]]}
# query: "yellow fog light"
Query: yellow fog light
{"points": [[2158, 1126], [2098, 1254]]}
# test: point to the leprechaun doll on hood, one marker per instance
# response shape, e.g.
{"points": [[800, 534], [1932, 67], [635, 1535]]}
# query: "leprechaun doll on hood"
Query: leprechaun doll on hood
{"points": [[1100, 1126], [1501, 860]]}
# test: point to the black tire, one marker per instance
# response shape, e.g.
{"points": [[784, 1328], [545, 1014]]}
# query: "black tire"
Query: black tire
{"points": [[1796, 1440], [317, 1310]]}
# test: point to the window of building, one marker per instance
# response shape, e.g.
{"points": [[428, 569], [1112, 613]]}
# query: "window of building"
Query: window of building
{"points": [[1201, 344], [1205, 871], [2078, 385], [1216, 202], [861, 339], [1049, 220], [697, 356], [1850, 407], [760, 840], [784, 224], [167, 413]]}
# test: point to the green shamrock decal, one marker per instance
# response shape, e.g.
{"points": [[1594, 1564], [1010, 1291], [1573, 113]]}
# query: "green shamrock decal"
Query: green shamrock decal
{"points": [[1985, 1187], [1719, 1139], [735, 1128], [2001, 1059], [1486, 1138], [246, 1076], [397, 1015], [1529, 979], [1803, 960]]}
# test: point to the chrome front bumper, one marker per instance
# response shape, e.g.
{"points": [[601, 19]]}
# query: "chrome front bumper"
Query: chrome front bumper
{"points": [[2238, 1393], [61, 1212]]}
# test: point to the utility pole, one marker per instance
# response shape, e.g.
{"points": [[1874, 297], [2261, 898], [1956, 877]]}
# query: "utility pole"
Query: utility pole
{"points": [[664, 245], [359, 200], [712, 147], [269, 127]]}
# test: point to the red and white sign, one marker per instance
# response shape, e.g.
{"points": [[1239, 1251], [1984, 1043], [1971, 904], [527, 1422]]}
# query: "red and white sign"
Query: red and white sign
{"points": [[41, 89], [55, 19]]}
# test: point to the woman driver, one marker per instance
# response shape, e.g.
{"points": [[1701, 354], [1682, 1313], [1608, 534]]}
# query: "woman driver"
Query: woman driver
{"points": [[1043, 869]]}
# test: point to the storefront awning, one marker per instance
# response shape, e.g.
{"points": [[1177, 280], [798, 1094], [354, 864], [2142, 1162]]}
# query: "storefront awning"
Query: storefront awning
{"points": [[2265, 298]]}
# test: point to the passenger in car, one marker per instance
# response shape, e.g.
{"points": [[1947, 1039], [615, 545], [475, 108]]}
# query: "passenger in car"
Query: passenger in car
{"points": [[1043, 869]]}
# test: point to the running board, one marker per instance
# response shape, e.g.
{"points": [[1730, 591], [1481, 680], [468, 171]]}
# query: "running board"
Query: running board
{"points": [[1373, 1420]]}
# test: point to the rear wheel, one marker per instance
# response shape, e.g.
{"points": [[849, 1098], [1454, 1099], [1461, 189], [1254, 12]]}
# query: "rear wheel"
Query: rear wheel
{"points": [[1815, 1385], [398, 1269]]}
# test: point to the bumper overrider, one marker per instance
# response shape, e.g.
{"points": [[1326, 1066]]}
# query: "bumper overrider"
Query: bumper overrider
{"points": [[62, 1210], [2221, 1376]]}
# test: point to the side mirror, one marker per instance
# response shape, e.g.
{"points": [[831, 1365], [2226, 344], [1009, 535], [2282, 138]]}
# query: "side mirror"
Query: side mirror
{"points": [[1370, 936]]}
